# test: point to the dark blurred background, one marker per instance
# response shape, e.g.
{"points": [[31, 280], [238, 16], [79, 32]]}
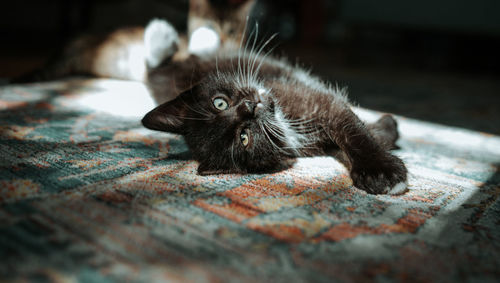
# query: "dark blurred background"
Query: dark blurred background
{"points": [[434, 60]]}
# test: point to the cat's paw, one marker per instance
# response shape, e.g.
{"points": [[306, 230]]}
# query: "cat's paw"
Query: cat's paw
{"points": [[386, 175], [204, 41], [160, 42]]}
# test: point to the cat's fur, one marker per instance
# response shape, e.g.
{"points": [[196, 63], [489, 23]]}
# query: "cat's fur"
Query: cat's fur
{"points": [[226, 18], [275, 113], [121, 53]]}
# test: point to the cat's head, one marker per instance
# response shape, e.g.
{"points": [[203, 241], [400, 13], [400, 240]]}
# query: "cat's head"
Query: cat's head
{"points": [[226, 17], [229, 127]]}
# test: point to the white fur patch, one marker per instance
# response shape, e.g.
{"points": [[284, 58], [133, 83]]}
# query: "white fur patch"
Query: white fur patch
{"points": [[261, 91], [293, 139], [160, 42], [397, 189], [203, 41]]}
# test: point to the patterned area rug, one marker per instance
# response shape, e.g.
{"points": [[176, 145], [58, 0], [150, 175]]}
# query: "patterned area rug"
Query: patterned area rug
{"points": [[87, 194]]}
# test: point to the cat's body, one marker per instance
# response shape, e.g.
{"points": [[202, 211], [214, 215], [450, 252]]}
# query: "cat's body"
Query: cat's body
{"points": [[245, 113]]}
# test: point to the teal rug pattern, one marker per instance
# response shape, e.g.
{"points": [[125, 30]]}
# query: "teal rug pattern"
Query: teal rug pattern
{"points": [[88, 195]]}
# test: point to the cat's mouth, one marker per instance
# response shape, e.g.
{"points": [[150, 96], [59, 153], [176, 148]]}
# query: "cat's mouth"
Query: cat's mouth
{"points": [[259, 108], [263, 103], [271, 106]]}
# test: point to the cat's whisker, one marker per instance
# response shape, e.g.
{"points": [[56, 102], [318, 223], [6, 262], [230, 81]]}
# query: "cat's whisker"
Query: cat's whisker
{"points": [[304, 126], [263, 128], [270, 90], [280, 135], [297, 148], [206, 114], [312, 132], [299, 125], [244, 52], [200, 109], [255, 71], [251, 56], [307, 132], [304, 129], [217, 65], [303, 118], [243, 39], [277, 124], [263, 57], [250, 71], [232, 158], [244, 36], [276, 133], [195, 110], [300, 122], [305, 135], [201, 112], [191, 118], [275, 127]]}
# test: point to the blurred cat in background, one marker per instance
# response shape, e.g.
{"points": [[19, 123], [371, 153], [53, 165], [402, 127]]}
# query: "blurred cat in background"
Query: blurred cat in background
{"points": [[121, 54]]}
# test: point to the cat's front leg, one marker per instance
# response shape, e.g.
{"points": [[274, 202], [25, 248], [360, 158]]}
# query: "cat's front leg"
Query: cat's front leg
{"points": [[372, 168]]}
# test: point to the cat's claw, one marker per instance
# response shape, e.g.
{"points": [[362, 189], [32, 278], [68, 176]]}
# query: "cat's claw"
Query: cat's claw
{"points": [[398, 189], [385, 177], [160, 42]]}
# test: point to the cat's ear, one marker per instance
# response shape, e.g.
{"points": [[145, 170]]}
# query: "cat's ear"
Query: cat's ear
{"points": [[170, 116], [199, 5], [205, 169], [245, 8]]}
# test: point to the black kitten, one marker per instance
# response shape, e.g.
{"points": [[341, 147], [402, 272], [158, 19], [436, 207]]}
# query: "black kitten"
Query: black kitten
{"points": [[245, 113]]}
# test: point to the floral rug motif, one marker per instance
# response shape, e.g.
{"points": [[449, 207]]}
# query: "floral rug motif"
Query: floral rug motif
{"points": [[88, 194]]}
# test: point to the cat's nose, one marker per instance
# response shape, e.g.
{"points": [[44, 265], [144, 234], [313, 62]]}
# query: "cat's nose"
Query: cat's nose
{"points": [[250, 106], [247, 109], [259, 107]]}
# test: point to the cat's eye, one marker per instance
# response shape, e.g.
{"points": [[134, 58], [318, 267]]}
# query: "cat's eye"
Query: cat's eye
{"points": [[221, 104], [244, 138]]}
